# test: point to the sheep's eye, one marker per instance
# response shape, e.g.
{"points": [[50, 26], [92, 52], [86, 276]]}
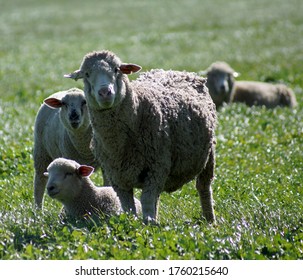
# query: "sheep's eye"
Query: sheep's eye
{"points": [[68, 174], [87, 75], [83, 103]]}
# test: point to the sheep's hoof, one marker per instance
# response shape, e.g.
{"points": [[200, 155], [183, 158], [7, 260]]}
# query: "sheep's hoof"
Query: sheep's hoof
{"points": [[150, 221]]}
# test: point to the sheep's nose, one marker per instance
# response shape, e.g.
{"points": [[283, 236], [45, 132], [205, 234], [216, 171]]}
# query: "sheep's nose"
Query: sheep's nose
{"points": [[105, 91], [73, 116], [50, 188]]}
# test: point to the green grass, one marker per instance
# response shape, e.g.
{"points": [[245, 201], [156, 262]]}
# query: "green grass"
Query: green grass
{"points": [[258, 186]]}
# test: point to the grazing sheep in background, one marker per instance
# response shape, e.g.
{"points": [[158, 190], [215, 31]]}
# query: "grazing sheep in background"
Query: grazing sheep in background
{"points": [[263, 94], [220, 82], [62, 129], [69, 183], [156, 133]]}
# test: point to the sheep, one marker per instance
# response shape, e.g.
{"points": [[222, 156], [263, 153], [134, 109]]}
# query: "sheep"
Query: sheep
{"points": [[224, 88], [220, 82], [263, 94], [156, 133], [69, 183], [62, 129]]}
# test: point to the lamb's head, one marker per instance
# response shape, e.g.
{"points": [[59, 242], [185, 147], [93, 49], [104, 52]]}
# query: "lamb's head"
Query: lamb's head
{"points": [[102, 73], [73, 109], [220, 81], [65, 179]]}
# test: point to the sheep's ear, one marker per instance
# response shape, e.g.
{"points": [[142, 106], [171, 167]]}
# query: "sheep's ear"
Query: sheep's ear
{"points": [[75, 75], [127, 68], [53, 102], [236, 74], [85, 170], [45, 174]]}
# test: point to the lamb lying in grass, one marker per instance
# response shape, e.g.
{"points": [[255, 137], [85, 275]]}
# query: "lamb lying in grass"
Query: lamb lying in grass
{"points": [[62, 129], [69, 183]]}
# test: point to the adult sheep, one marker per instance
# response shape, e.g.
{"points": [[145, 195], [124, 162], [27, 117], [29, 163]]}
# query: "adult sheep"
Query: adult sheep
{"points": [[223, 88], [220, 82], [69, 183], [156, 133], [62, 129]]}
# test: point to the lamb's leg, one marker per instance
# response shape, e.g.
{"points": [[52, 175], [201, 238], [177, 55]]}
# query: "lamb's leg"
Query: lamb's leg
{"points": [[203, 186], [150, 202], [41, 162], [39, 185], [127, 199]]}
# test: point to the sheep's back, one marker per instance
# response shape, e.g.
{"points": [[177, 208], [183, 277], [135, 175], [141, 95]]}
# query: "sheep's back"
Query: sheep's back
{"points": [[179, 104]]}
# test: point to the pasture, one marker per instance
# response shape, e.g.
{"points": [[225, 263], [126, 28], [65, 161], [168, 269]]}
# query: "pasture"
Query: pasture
{"points": [[259, 161]]}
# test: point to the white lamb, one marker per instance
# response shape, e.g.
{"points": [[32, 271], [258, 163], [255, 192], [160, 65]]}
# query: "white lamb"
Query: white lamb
{"points": [[69, 183], [62, 129]]}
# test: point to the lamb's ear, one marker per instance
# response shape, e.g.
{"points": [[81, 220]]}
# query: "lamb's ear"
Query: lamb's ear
{"points": [[236, 74], [85, 170], [45, 174], [53, 102], [75, 75], [128, 68]]}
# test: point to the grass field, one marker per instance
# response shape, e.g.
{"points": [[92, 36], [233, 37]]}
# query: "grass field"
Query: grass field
{"points": [[258, 185]]}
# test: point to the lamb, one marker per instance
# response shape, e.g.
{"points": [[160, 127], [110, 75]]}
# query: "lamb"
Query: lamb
{"points": [[156, 133], [62, 129], [69, 183], [263, 94], [220, 82]]}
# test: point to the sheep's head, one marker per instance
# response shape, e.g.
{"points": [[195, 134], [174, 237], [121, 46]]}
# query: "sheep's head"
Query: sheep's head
{"points": [[73, 109], [64, 179], [220, 81], [102, 74]]}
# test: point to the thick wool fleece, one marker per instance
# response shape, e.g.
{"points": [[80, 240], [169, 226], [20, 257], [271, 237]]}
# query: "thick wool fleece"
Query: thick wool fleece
{"points": [[162, 131]]}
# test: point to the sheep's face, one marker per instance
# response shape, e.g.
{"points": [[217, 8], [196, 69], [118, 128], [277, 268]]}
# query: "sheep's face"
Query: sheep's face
{"points": [[105, 84], [73, 110], [63, 184], [65, 179], [102, 73], [220, 85]]}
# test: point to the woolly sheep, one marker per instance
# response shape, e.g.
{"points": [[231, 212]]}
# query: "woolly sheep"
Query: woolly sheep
{"points": [[62, 129], [69, 183], [156, 133], [263, 94], [220, 82], [223, 88]]}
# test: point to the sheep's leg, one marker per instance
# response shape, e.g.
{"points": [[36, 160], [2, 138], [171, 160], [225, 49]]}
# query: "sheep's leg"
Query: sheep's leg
{"points": [[203, 186], [39, 186], [150, 204], [127, 199], [41, 162]]}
